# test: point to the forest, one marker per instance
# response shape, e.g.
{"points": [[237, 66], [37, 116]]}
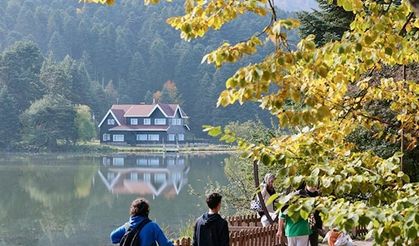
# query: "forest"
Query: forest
{"points": [[61, 62], [341, 97]]}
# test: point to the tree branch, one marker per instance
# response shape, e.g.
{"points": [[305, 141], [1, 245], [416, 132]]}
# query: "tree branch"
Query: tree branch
{"points": [[403, 30]]}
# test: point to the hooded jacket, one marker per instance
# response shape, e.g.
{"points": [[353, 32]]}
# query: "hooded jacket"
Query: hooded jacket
{"points": [[211, 230], [149, 235]]}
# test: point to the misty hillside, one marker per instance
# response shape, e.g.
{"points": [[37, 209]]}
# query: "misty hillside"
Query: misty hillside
{"points": [[126, 53]]}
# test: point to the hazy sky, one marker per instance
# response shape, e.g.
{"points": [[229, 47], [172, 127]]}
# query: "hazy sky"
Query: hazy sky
{"points": [[296, 5]]}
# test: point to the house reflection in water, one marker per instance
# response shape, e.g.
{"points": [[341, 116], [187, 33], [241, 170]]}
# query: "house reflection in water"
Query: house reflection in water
{"points": [[145, 175]]}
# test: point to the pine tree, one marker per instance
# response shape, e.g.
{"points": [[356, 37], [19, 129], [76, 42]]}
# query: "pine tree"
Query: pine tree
{"points": [[57, 46], [9, 125], [56, 78], [327, 24], [148, 98], [20, 67], [170, 93], [137, 81]]}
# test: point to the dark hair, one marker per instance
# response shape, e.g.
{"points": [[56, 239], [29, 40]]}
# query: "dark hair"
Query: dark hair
{"points": [[213, 200], [139, 207]]}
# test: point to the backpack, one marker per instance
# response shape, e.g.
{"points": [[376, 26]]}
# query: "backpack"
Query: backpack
{"points": [[132, 236]]}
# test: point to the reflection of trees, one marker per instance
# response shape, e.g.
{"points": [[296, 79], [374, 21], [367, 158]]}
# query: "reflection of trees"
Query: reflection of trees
{"points": [[52, 186], [14, 205], [46, 199], [83, 181], [57, 190]]}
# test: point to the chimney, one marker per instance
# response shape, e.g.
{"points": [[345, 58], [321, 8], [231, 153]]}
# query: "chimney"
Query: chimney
{"points": [[154, 100]]}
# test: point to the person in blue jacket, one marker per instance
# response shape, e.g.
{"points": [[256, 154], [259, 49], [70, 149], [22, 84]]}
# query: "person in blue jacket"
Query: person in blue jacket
{"points": [[150, 233]]}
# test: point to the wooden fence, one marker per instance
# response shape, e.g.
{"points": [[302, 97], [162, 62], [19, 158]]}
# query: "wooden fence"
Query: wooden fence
{"points": [[248, 231], [245, 231], [251, 236], [183, 242], [255, 236], [245, 220], [359, 232]]}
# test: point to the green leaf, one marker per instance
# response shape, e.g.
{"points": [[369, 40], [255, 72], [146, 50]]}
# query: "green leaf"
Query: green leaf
{"points": [[388, 51], [212, 131], [266, 159], [358, 47], [412, 233], [272, 198], [304, 214]]}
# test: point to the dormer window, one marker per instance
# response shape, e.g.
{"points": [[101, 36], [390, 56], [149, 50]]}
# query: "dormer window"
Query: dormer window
{"points": [[134, 121], [111, 122], [160, 121], [147, 121]]}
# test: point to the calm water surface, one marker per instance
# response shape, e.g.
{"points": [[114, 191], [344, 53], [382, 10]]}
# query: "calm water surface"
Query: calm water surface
{"points": [[65, 200]]}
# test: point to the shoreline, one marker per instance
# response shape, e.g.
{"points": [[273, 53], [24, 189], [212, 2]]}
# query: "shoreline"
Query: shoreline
{"points": [[96, 149]]}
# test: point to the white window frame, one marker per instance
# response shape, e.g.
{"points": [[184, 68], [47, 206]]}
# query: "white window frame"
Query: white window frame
{"points": [[171, 137], [106, 161], [147, 177], [147, 121], [106, 137], [154, 162], [142, 137], [176, 122], [118, 161], [118, 138], [134, 176], [110, 176], [111, 122], [160, 178], [181, 137], [134, 121], [141, 162], [152, 137], [160, 121]]}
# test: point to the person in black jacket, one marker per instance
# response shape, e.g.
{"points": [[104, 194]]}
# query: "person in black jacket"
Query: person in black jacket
{"points": [[210, 229]]}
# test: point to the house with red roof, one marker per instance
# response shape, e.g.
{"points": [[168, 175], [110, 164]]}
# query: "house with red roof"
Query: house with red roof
{"points": [[144, 124]]}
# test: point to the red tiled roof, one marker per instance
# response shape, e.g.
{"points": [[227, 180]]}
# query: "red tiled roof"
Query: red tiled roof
{"points": [[121, 111], [140, 187], [169, 109], [145, 110], [139, 128], [139, 110]]}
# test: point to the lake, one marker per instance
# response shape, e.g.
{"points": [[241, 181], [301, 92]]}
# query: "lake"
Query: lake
{"points": [[79, 200]]}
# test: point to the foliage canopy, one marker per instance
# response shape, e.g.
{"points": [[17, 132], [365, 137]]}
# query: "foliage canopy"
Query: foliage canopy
{"points": [[321, 94]]}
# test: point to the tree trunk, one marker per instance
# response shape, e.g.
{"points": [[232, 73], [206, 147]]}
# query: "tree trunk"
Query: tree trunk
{"points": [[262, 202]]}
